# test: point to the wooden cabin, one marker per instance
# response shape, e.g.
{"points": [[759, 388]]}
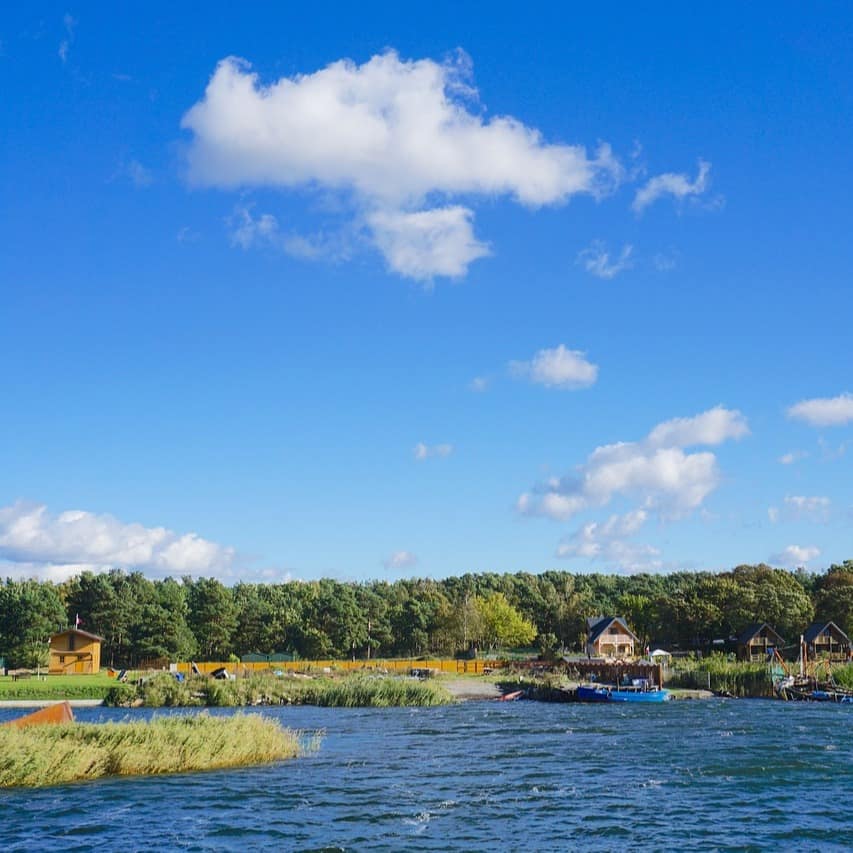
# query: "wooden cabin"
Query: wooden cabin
{"points": [[826, 640], [610, 637], [75, 652], [757, 641]]}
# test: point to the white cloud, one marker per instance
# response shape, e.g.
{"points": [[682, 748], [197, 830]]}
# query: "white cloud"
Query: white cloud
{"points": [[557, 368], [773, 514], [427, 243], [676, 185], [423, 451], [58, 546], [814, 508], [138, 174], [710, 428], [824, 411], [479, 384], [400, 560], [796, 555], [792, 457], [595, 259], [606, 542], [657, 470], [393, 134], [247, 230], [65, 45], [665, 262]]}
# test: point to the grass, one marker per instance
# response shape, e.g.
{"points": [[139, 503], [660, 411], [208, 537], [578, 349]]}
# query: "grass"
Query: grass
{"points": [[57, 687], [348, 691], [53, 755]]}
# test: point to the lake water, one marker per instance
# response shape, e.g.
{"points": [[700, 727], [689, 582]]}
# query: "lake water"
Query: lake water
{"points": [[716, 775]]}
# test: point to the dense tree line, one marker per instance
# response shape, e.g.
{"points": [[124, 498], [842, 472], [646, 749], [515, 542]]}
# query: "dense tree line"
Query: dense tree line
{"points": [[142, 619]]}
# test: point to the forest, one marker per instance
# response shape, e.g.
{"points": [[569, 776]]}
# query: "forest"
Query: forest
{"points": [[142, 619]]}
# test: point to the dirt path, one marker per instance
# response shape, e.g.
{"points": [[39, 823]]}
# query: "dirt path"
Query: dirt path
{"points": [[471, 688]]}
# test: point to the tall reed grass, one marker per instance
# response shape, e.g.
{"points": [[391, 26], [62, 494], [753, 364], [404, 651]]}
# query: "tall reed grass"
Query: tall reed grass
{"points": [[53, 755], [349, 691]]}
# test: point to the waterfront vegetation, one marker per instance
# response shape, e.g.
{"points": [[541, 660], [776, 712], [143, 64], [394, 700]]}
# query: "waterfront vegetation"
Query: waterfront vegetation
{"points": [[202, 619], [56, 754], [350, 691]]}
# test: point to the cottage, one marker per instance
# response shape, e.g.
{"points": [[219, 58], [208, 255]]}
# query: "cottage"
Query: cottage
{"points": [[609, 637], [74, 652], [757, 641], [826, 639]]}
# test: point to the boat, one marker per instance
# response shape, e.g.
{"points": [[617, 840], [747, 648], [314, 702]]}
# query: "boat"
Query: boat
{"points": [[511, 697], [51, 715], [615, 693]]}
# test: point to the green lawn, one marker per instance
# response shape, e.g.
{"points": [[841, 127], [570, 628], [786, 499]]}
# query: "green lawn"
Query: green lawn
{"points": [[56, 687]]}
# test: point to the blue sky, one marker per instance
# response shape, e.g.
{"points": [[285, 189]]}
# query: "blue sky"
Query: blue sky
{"points": [[375, 292]]}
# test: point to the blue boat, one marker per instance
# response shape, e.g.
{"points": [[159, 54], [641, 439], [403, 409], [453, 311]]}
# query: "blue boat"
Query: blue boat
{"points": [[605, 693]]}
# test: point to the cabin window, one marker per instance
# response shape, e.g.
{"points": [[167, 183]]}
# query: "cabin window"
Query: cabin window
{"points": [[62, 658]]}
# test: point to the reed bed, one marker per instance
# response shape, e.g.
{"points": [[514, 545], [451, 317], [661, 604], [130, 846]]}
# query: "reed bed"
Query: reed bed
{"points": [[350, 691], [54, 755]]}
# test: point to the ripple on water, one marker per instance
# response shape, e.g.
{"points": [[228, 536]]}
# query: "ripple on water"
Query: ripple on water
{"points": [[760, 775]]}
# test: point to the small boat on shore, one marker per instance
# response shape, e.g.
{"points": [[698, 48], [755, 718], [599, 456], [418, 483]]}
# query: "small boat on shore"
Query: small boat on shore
{"points": [[59, 712], [614, 693]]}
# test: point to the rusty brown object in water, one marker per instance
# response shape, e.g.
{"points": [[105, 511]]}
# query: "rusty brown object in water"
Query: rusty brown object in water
{"points": [[59, 713]]}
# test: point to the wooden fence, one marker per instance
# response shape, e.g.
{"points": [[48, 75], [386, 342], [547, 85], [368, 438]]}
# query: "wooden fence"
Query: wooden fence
{"points": [[459, 667]]}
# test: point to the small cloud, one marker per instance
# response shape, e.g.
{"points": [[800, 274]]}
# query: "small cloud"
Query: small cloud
{"points": [[400, 560], [478, 384], [773, 514], [807, 508], [665, 261], [679, 186], [187, 235], [796, 555], [138, 174], [248, 231], [557, 368], [65, 45], [423, 451], [792, 457], [824, 411], [595, 259]]}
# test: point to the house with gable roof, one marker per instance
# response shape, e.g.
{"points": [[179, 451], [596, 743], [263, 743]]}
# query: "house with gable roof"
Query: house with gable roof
{"points": [[610, 637]]}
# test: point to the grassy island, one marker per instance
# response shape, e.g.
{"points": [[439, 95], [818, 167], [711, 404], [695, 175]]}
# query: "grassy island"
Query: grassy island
{"points": [[53, 755], [349, 691]]}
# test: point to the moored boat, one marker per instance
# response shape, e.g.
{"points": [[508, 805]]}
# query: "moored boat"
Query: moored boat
{"points": [[612, 693]]}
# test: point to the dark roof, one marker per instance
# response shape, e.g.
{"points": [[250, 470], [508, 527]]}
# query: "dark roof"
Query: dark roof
{"points": [[597, 625], [755, 628], [817, 628], [78, 632]]}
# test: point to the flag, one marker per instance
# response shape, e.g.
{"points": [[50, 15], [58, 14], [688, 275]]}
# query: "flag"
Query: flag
{"points": [[77, 620]]}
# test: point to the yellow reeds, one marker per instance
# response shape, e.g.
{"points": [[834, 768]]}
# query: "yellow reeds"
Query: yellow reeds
{"points": [[52, 755]]}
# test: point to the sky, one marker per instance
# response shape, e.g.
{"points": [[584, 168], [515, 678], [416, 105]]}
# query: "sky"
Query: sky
{"points": [[371, 292]]}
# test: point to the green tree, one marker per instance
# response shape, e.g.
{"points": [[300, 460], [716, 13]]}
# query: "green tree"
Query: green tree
{"points": [[212, 617], [502, 624], [29, 613]]}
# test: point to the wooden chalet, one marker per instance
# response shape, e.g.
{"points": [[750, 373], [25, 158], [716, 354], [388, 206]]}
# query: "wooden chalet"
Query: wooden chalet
{"points": [[826, 640], [610, 637], [757, 641], [75, 652]]}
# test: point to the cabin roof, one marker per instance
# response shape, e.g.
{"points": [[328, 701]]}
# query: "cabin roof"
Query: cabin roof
{"points": [[756, 628], [817, 628], [597, 625], [77, 632]]}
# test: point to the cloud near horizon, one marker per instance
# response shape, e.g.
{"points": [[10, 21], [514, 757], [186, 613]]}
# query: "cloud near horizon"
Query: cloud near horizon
{"points": [[35, 543], [657, 470], [392, 135]]}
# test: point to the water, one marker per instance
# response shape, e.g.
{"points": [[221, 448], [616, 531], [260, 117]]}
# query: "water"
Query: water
{"points": [[718, 775]]}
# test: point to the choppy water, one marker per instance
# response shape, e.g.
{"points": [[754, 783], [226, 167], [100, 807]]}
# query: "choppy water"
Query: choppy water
{"points": [[745, 775]]}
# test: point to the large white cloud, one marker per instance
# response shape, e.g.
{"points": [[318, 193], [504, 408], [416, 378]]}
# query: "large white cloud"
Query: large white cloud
{"points": [[656, 470], [394, 134], [34, 542], [824, 411], [559, 367]]}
